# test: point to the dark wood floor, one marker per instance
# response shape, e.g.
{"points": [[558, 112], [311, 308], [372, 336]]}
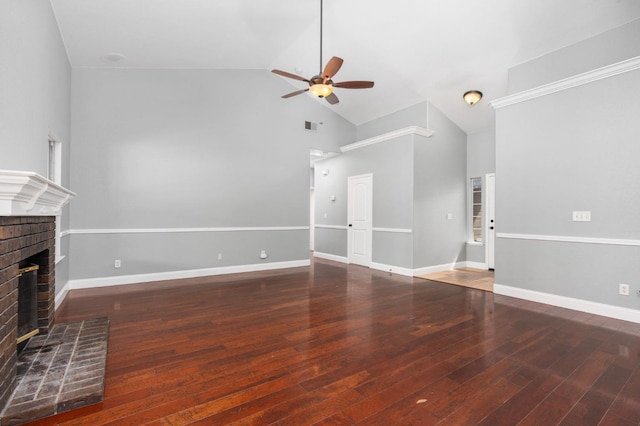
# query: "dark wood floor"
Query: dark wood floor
{"points": [[337, 345]]}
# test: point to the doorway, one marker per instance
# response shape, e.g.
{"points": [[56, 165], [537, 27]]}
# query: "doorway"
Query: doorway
{"points": [[360, 219], [312, 219]]}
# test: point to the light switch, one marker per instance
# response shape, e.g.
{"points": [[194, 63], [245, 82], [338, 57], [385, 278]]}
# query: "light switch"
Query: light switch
{"points": [[449, 216]]}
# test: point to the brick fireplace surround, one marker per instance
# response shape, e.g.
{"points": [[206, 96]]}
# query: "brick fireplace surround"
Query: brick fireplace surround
{"points": [[22, 237]]}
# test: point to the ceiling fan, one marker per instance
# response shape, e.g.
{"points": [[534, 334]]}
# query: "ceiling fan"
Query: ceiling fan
{"points": [[322, 84]]}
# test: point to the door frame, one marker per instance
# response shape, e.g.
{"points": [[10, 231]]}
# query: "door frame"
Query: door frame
{"points": [[490, 235], [369, 230], [312, 219]]}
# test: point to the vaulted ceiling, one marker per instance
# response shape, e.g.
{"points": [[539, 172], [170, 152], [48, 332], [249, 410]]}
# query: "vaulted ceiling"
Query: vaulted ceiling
{"points": [[414, 50]]}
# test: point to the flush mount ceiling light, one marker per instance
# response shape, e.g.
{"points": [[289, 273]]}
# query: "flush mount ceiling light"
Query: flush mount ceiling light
{"points": [[472, 97]]}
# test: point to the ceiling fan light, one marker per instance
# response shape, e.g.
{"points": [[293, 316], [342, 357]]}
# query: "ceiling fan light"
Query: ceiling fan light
{"points": [[472, 97], [321, 90]]}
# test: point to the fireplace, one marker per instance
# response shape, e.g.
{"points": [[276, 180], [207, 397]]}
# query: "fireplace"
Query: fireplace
{"points": [[29, 204], [27, 302], [23, 239]]}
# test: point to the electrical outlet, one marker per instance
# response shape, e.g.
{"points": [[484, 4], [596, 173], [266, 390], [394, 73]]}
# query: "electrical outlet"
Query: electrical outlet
{"points": [[219, 256], [584, 216], [117, 263], [624, 289]]}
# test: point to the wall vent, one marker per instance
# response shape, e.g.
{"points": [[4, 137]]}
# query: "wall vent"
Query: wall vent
{"points": [[309, 125]]}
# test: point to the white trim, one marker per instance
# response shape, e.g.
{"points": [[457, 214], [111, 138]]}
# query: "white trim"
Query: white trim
{"points": [[59, 259], [29, 194], [398, 230], [392, 269], [438, 268], [569, 239], [412, 130], [340, 227], [176, 275], [475, 265], [179, 230], [334, 257], [62, 294], [375, 229], [568, 83], [611, 311], [65, 233]]}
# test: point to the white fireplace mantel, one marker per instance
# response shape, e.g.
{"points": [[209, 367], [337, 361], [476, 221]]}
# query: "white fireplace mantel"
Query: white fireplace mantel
{"points": [[29, 194]]}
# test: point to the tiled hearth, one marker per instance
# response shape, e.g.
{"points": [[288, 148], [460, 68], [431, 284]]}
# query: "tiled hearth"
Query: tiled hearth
{"points": [[59, 371]]}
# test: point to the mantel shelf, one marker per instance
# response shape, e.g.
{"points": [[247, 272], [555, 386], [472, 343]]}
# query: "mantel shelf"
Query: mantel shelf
{"points": [[29, 194]]}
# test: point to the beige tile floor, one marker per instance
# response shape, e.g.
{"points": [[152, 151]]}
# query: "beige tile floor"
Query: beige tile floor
{"points": [[467, 277]]}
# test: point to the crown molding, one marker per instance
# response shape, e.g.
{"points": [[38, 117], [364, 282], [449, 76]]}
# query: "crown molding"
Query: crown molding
{"points": [[412, 130], [568, 83], [29, 194]]}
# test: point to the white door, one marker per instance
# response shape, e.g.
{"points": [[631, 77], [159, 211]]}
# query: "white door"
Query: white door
{"points": [[360, 219], [491, 220]]}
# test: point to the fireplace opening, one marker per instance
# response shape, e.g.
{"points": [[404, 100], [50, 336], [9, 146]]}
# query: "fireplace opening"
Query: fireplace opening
{"points": [[27, 302]]}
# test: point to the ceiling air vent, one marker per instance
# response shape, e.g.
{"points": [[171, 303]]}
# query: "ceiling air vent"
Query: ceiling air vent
{"points": [[309, 125]]}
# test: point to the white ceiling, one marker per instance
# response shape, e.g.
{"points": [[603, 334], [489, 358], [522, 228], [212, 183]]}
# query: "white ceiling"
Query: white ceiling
{"points": [[414, 50]]}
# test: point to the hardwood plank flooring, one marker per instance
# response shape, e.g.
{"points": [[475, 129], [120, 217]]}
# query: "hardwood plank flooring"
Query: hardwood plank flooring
{"points": [[333, 344], [467, 277]]}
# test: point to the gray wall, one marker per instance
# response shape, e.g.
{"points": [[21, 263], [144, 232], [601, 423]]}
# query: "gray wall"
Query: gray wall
{"points": [[416, 182], [34, 85], [415, 115], [440, 164], [481, 160], [390, 163], [190, 149], [609, 47], [35, 81], [557, 154]]}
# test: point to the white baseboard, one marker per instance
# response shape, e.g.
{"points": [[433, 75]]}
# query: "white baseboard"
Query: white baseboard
{"points": [[611, 311], [174, 275], [474, 265], [437, 268], [427, 269], [328, 256], [392, 269], [62, 294]]}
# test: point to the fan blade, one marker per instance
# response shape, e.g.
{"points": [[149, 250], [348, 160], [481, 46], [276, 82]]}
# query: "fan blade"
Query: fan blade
{"points": [[297, 92], [354, 84], [288, 74], [332, 99], [331, 68]]}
